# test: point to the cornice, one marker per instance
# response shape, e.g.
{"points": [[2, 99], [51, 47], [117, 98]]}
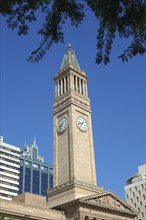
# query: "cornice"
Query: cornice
{"points": [[71, 98], [67, 69], [74, 183]]}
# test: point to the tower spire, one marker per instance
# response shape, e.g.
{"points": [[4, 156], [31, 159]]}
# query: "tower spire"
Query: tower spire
{"points": [[70, 59], [34, 141]]}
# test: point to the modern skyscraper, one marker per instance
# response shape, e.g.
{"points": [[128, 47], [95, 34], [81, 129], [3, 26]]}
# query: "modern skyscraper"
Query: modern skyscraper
{"points": [[36, 176], [135, 192], [9, 170]]}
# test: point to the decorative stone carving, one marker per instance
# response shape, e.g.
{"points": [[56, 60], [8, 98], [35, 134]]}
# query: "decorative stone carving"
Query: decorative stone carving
{"points": [[108, 200], [77, 216]]}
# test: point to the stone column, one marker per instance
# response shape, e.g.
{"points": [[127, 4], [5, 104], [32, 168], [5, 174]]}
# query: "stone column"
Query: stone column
{"points": [[80, 88], [61, 87], [86, 89], [83, 84], [65, 84], [76, 82], [56, 90]]}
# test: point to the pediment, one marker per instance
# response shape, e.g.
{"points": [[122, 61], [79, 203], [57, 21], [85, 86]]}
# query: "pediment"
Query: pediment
{"points": [[108, 200]]}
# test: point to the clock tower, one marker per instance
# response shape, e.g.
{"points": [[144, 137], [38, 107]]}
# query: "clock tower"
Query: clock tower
{"points": [[74, 162]]}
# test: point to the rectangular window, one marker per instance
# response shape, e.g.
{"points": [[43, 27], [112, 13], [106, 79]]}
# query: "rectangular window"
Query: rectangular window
{"points": [[136, 188], [27, 163], [35, 188], [44, 184], [137, 198], [51, 181], [27, 179], [35, 165], [45, 169], [20, 180], [139, 192]]}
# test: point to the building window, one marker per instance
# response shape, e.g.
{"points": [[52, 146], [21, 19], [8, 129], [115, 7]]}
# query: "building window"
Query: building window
{"points": [[35, 189], [137, 198], [78, 85], [141, 203], [142, 186], [44, 184], [143, 196], [139, 192], [21, 180], [133, 194], [136, 188], [127, 196], [45, 169], [142, 214], [130, 189], [138, 209], [51, 181], [35, 165], [66, 83], [27, 179], [27, 163], [135, 205], [131, 200]]}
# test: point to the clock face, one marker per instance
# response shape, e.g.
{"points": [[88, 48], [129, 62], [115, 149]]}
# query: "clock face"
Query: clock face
{"points": [[81, 123], [62, 124]]}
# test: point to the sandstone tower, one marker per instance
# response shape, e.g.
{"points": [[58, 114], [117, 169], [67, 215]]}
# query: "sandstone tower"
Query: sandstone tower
{"points": [[74, 162], [73, 141]]}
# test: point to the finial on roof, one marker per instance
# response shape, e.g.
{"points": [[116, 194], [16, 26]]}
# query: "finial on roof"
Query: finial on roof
{"points": [[69, 46], [34, 141]]}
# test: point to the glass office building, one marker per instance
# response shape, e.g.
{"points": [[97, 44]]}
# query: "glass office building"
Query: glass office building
{"points": [[36, 176]]}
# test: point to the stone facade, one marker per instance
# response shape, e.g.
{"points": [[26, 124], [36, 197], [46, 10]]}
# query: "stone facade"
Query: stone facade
{"points": [[73, 149], [101, 206], [28, 206]]}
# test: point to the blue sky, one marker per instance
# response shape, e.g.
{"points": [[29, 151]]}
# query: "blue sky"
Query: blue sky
{"points": [[116, 92]]}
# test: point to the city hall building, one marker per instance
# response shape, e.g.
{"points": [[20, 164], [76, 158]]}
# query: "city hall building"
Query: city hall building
{"points": [[75, 194]]}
